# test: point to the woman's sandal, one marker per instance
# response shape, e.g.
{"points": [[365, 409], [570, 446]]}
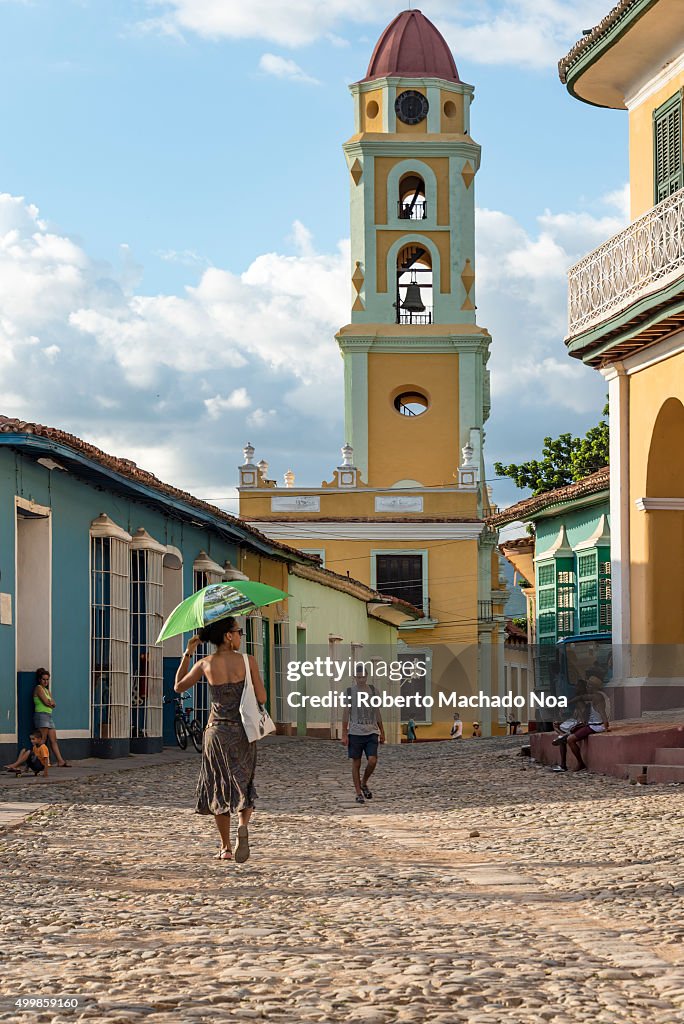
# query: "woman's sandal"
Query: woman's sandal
{"points": [[242, 845], [64, 764], [224, 854]]}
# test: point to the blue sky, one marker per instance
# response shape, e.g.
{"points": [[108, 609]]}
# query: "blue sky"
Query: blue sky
{"points": [[189, 250]]}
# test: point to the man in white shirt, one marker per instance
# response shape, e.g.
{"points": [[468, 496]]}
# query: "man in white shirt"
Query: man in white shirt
{"points": [[457, 728], [362, 730]]}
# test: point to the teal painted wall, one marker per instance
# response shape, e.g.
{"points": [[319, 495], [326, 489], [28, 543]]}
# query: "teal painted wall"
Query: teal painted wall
{"points": [[74, 504], [579, 525]]}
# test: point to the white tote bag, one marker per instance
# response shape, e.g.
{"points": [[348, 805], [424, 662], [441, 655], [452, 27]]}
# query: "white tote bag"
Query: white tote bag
{"points": [[255, 718]]}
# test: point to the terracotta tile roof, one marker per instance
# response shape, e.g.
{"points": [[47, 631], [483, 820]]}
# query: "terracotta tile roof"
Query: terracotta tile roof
{"points": [[129, 469], [521, 543], [514, 635], [412, 47], [527, 508], [621, 10]]}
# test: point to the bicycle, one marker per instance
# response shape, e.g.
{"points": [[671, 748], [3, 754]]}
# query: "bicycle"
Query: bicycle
{"points": [[183, 725]]}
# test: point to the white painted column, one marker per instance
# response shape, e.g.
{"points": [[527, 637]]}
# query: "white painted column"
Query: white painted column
{"points": [[618, 397]]}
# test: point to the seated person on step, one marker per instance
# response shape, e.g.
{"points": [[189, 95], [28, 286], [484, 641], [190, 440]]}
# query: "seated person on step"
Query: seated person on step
{"points": [[36, 759], [591, 715]]}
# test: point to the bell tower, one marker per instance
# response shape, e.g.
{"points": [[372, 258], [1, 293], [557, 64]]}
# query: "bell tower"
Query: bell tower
{"points": [[416, 378]]}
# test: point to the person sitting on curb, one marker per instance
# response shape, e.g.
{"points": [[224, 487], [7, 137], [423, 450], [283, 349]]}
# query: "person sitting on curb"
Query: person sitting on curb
{"points": [[36, 760], [590, 717]]}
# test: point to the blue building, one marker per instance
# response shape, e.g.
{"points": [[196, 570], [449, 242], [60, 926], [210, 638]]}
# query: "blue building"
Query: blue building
{"points": [[94, 553]]}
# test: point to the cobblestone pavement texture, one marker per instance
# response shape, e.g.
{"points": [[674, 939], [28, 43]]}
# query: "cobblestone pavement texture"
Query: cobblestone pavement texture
{"points": [[471, 888]]}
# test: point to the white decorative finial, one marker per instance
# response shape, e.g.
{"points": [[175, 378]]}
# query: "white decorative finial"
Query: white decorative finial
{"points": [[263, 468], [248, 454], [467, 451], [289, 478], [347, 455]]}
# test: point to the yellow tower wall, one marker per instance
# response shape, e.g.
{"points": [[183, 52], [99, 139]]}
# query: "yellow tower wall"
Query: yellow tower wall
{"points": [[424, 447]]}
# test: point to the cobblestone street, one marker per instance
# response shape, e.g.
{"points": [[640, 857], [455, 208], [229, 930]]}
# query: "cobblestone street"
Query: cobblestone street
{"points": [[468, 889]]}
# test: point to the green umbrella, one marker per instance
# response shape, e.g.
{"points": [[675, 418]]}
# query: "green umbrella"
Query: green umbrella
{"points": [[218, 601]]}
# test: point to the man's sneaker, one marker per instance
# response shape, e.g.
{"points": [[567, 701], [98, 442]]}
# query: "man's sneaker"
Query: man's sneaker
{"points": [[367, 793], [360, 799], [559, 739], [556, 768]]}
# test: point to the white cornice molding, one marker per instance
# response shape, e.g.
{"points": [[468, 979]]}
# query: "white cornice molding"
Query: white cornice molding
{"points": [[415, 343], [660, 504], [377, 531], [368, 85], [656, 83], [665, 349]]}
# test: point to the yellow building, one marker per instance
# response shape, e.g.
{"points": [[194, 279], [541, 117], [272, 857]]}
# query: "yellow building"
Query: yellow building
{"points": [[626, 318], [404, 511]]}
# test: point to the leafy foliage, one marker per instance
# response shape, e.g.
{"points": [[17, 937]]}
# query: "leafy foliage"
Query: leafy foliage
{"points": [[565, 460]]}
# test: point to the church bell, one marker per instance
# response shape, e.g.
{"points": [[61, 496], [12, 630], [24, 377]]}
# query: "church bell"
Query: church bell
{"points": [[412, 301]]}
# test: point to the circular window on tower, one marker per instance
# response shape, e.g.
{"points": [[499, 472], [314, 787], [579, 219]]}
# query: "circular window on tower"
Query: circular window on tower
{"points": [[411, 403]]}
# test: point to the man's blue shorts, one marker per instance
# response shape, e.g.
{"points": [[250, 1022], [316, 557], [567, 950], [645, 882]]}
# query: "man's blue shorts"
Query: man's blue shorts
{"points": [[359, 745]]}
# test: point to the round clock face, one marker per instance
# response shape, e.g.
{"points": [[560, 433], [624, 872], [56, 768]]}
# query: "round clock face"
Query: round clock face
{"points": [[411, 106]]}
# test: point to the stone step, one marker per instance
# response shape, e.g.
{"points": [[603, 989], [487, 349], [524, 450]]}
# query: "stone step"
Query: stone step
{"points": [[634, 772], [669, 755], [665, 773]]}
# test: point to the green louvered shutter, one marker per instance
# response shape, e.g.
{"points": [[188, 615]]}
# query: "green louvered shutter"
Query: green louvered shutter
{"points": [[667, 148]]}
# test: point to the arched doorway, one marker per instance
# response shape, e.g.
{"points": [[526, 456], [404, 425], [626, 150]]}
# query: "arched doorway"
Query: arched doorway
{"points": [[664, 570]]}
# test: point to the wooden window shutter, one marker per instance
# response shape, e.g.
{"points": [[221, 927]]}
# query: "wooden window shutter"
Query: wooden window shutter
{"points": [[667, 148]]}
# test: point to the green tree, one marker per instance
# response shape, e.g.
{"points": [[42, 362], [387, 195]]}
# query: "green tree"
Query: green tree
{"points": [[565, 460]]}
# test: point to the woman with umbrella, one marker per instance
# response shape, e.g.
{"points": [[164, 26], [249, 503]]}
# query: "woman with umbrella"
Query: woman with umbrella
{"points": [[226, 782]]}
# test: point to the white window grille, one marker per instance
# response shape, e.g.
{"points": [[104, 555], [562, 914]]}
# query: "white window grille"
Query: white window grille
{"points": [[281, 651], [255, 639], [147, 602], [109, 630]]}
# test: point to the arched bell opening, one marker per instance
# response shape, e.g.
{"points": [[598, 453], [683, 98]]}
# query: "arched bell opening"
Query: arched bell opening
{"points": [[412, 204], [414, 285]]}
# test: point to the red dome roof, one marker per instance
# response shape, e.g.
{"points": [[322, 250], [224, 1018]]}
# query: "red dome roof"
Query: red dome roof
{"points": [[411, 47]]}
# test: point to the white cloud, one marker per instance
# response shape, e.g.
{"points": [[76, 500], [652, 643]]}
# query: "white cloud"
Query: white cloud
{"points": [[177, 382], [284, 67], [186, 257], [295, 23], [261, 418], [302, 239], [522, 32], [238, 399]]}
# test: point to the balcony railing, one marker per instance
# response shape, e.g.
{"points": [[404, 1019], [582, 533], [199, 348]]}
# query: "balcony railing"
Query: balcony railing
{"points": [[424, 318], [412, 211], [647, 255], [485, 611]]}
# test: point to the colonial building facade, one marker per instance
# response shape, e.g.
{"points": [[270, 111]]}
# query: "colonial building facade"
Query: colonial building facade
{"points": [[95, 553], [626, 318], [405, 509]]}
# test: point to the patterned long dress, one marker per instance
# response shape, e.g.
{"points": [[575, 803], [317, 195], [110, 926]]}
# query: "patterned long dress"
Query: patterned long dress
{"points": [[226, 781]]}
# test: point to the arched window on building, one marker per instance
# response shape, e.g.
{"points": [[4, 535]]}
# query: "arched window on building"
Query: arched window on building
{"points": [[110, 664], [414, 285], [412, 204], [147, 605]]}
